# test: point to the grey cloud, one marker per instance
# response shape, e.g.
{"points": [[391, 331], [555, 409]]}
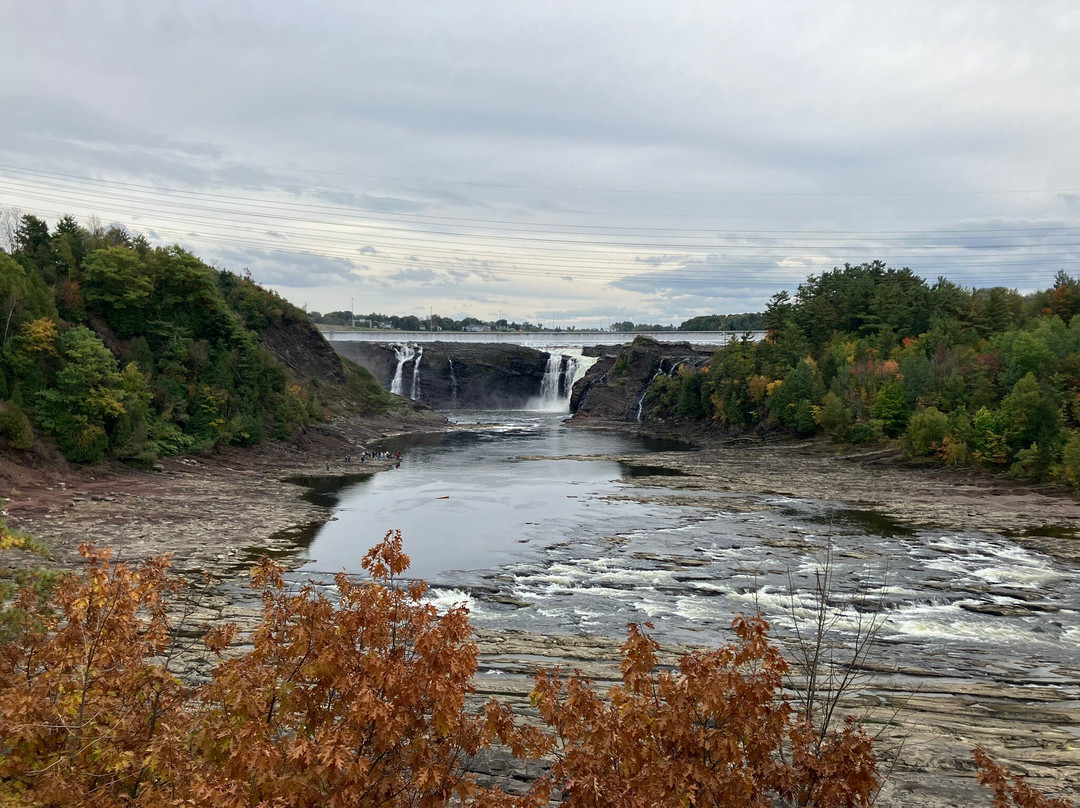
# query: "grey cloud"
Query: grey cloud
{"points": [[289, 270], [413, 276], [509, 104]]}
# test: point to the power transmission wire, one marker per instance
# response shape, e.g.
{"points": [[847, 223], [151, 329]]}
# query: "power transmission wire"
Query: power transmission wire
{"points": [[352, 210], [718, 241]]}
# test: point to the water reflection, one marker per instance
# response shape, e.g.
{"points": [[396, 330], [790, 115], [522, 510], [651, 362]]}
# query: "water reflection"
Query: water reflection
{"points": [[468, 499]]}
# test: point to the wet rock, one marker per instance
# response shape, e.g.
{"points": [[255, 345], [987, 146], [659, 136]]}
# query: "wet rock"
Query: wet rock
{"points": [[1009, 609]]}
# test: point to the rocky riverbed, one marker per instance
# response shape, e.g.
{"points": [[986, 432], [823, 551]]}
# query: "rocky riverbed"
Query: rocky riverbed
{"points": [[216, 514]]}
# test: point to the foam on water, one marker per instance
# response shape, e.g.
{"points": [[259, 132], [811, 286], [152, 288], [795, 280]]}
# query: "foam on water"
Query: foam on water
{"points": [[445, 599]]}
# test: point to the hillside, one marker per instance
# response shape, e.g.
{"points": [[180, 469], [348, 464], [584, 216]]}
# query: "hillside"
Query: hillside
{"points": [[113, 349], [970, 377]]}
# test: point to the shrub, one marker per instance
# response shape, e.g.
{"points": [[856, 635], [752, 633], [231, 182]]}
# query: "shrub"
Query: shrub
{"points": [[926, 432], [15, 426], [360, 699], [864, 432]]}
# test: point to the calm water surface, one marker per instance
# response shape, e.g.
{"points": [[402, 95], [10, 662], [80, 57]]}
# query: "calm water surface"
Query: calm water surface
{"points": [[477, 498]]}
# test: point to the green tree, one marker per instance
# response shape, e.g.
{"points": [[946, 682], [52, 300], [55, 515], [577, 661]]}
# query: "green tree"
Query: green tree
{"points": [[990, 437], [117, 286], [926, 432], [1023, 353], [693, 397], [995, 314], [833, 416], [792, 402], [88, 397], [917, 375], [891, 408]]}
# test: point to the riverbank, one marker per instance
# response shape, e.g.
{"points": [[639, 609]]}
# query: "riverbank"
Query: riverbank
{"points": [[213, 514], [1028, 723], [1045, 518], [216, 514]]}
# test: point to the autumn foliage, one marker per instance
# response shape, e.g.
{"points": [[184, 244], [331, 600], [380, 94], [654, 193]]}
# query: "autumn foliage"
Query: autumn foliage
{"points": [[718, 732], [1012, 792], [359, 696]]}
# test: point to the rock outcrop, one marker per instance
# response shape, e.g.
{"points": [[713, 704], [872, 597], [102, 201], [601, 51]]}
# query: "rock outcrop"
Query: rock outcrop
{"points": [[613, 389], [304, 351], [455, 375]]}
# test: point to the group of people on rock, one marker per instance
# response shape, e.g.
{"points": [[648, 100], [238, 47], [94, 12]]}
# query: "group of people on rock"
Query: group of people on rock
{"points": [[365, 455]]}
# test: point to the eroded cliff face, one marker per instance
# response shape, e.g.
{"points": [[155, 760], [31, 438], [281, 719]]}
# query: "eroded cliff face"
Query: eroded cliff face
{"points": [[614, 388], [449, 376], [303, 350]]}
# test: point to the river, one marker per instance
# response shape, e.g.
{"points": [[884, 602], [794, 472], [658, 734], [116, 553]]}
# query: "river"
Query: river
{"points": [[513, 518]]}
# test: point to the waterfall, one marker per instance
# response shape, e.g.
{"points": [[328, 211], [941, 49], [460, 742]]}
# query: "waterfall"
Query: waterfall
{"points": [[549, 385], [645, 391], [416, 375], [576, 368], [453, 383], [404, 352], [560, 374]]}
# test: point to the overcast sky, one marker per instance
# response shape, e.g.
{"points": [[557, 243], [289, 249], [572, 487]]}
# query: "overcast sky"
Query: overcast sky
{"points": [[570, 163]]}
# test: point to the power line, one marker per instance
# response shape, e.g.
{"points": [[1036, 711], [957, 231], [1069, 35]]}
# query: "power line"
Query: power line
{"points": [[344, 247], [722, 274], [600, 190], [805, 243], [388, 216], [697, 265]]}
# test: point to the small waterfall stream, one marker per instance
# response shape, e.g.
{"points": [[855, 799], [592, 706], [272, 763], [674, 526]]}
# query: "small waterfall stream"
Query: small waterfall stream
{"points": [[453, 384], [415, 395], [645, 391]]}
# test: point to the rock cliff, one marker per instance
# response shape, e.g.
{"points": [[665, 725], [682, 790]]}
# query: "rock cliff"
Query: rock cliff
{"points": [[454, 375], [613, 389], [303, 350]]}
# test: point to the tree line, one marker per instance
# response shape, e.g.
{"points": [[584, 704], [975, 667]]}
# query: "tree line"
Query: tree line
{"points": [[983, 377], [752, 321]]}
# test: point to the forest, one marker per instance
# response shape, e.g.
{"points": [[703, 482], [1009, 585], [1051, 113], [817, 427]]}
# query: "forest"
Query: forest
{"points": [[970, 377], [116, 349]]}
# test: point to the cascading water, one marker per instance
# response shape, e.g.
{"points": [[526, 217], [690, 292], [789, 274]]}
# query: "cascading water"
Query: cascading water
{"points": [[560, 374], [453, 383], [645, 390], [549, 385], [415, 395], [577, 367], [403, 352]]}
